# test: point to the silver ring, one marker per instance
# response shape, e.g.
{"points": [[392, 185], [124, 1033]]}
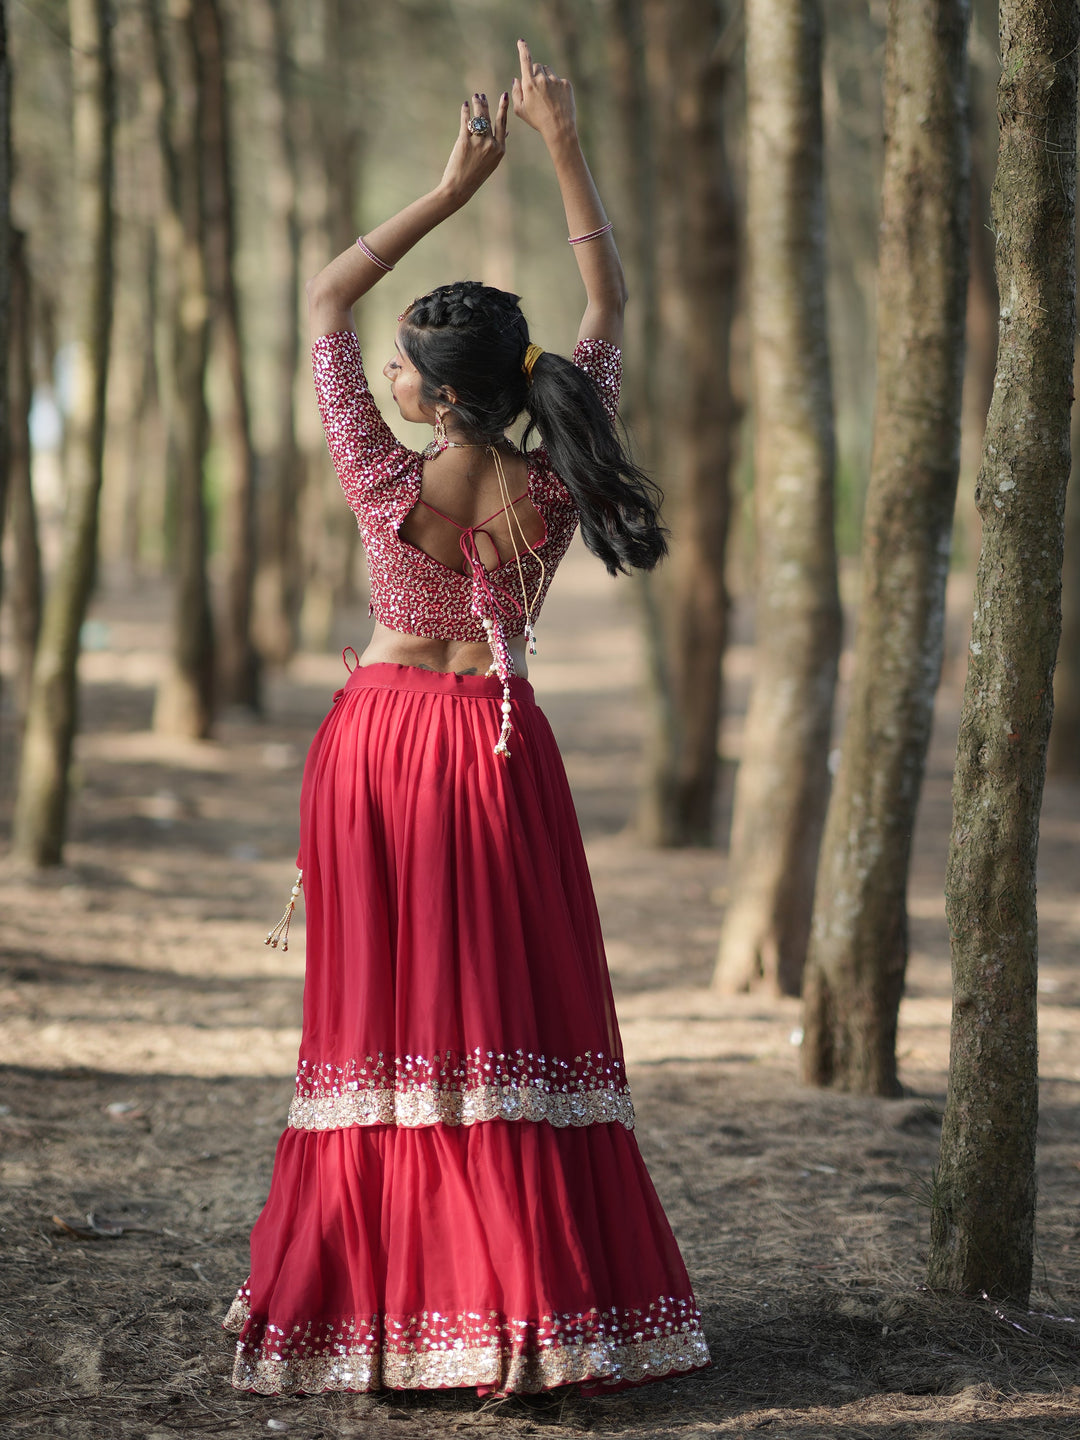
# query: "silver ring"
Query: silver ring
{"points": [[479, 125]]}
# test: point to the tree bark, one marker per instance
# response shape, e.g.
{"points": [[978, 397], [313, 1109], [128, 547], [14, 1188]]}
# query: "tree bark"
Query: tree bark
{"points": [[983, 1210], [858, 948], [42, 792], [185, 697], [686, 603], [783, 781], [24, 587], [279, 580], [238, 662], [633, 205], [328, 143]]}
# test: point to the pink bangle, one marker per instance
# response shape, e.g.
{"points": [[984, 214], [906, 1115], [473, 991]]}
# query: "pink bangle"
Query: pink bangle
{"points": [[372, 256], [592, 235]]}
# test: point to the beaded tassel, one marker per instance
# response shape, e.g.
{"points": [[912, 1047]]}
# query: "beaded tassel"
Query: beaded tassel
{"points": [[279, 935], [504, 734]]}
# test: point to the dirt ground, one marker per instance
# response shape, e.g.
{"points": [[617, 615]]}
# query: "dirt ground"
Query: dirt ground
{"points": [[148, 1041]]}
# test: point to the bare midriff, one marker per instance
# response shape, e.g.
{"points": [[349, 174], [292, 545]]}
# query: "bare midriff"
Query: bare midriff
{"points": [[463, 657]]}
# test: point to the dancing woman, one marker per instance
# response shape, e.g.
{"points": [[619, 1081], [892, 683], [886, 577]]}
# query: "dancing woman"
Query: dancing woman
{"points": [[459, 1199]]}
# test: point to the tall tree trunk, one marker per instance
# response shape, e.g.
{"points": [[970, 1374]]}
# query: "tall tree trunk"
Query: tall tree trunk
{"points": [[783, 780], [633, 203], [42, 793], [185, 697], [24, 587], [858, 949], [983, 1214], [686, 603], [328, 139], [239, 664], [278, 582], [142, 437]]}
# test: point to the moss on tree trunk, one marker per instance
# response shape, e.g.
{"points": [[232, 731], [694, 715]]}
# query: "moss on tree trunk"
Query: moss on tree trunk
{"points": [[982, 1221]]}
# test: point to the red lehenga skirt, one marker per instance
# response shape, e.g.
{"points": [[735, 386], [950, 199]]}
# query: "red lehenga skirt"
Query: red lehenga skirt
{"points": [[459, 1199]]}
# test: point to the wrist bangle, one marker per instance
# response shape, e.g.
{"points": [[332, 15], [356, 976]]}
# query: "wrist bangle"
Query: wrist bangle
{"points": [[372, 256], [592, 235]]}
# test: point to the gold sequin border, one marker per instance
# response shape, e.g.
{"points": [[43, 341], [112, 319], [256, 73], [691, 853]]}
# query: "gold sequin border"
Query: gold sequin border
{"points": [[449, 1088], [605, 1350], [427, 1105]]}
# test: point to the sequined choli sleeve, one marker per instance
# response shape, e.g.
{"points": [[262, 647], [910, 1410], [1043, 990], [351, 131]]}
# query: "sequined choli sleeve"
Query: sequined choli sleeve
{"points": [[602, 362], [368, 457]]}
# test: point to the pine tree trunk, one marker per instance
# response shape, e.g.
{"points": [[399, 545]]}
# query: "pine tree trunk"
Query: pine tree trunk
{"points": [[185, 697], [983, 1213], [327, 137], [42, 795], [783, 782], [859, 945], [633, 204], [694, 433], [24, 585], [279, 580], [238, 663]]}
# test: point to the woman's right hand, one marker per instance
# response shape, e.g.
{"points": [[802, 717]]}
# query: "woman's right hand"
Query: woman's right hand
{"points": [[475, 157], [543, 99]]}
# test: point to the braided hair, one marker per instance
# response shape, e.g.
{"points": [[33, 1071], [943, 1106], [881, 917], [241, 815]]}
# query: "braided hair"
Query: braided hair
{"points": [[472, 338]]}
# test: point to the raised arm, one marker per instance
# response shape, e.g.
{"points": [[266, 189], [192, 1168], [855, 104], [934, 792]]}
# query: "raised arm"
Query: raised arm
{"points": [[546, 102], [338, 286]]}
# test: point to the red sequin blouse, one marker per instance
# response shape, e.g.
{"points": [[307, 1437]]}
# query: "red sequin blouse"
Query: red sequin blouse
{"points": [[411, 591]]}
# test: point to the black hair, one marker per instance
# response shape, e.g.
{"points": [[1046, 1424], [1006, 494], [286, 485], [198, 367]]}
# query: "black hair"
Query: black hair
{"points": [[472, 338]]}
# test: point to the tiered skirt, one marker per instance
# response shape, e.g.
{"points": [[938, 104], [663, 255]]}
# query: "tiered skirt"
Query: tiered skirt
{"points": [[459, 1199]]}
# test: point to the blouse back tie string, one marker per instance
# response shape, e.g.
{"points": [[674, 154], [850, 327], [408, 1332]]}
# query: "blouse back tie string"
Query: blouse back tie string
{"points": [[492, 604]]}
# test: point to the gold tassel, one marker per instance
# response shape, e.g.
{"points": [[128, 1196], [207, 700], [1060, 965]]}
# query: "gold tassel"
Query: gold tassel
{"points": [[279, 935]]}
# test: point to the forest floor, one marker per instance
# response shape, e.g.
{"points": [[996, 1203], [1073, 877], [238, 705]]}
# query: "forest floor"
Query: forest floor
{"points": [[149, 1040]]}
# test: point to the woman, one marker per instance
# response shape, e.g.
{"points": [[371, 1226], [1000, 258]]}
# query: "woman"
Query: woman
{"points": [[459, 1199]]}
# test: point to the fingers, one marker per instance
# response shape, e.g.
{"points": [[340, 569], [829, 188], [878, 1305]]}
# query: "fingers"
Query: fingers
{"points": [[525, 56], [501, 117]]}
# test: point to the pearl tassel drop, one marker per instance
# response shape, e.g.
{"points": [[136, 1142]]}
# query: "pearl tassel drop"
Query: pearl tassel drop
{"points": [[279, 935]]}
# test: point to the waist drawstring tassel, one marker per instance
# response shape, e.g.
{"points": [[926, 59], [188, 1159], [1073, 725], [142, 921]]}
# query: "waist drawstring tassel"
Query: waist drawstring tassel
{"points": [[279, 935]]}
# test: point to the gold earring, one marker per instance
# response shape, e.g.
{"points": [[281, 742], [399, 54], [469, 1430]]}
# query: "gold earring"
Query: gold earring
{"points": [[440, 430]]}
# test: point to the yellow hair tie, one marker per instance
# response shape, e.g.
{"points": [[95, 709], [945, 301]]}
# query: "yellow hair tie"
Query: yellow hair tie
{"points": [[530, 359]]}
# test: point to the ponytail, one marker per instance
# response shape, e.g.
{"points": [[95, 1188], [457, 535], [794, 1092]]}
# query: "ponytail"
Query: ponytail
{"points": [[618, 505]]}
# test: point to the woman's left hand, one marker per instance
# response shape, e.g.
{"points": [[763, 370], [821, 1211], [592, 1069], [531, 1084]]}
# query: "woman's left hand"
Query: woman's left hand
{"points": [[475, 156]]}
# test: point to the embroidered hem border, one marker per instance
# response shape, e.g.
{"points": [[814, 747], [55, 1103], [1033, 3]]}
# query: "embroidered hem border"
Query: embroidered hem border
{"points": [[453, 1089], [433, 1351]]}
